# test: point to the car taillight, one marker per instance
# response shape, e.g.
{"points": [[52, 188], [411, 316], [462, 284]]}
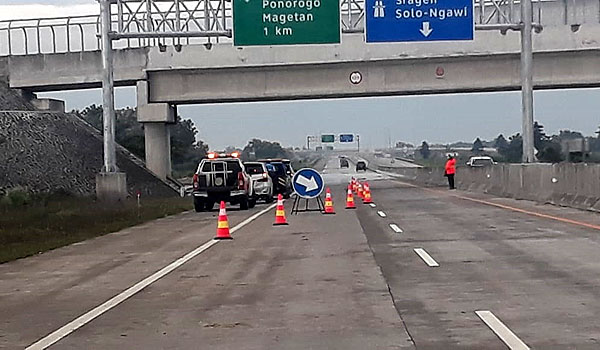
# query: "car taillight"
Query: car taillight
{"points": [[241, 181], [265, 175], [195, 180]]}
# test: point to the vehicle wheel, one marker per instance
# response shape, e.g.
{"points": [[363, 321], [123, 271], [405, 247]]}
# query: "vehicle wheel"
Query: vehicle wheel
{"points": [[198, 204], [244, 203], [252, 203], [209, 206]]}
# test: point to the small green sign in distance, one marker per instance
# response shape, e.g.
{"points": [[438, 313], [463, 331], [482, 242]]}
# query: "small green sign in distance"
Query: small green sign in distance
{"points": [[286, 22], [327, 138]]}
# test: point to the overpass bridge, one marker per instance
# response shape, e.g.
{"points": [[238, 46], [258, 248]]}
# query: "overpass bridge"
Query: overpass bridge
{"points": [[168, 70]]}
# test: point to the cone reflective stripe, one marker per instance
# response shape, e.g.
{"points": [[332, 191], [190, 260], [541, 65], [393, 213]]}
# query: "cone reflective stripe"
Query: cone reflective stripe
{"points": [[350, 199], [223, 224], [328, 203], [360, 191], [280, 212], [367, 198]]}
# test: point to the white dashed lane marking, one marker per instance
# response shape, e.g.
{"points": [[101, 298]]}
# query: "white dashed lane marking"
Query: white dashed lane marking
{"points": [[382, 214], [503, 332], [426, 257], [396, 228]]}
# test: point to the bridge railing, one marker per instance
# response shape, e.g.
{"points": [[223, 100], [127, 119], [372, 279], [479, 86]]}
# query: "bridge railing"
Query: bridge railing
{"points": [[164, 22]]}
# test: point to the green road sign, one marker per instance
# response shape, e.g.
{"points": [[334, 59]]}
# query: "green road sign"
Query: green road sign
{"points": [[286, 22], [327, 138]]}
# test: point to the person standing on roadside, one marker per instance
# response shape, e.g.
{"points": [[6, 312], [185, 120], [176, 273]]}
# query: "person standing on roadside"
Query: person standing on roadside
{"points": [[450, 170]]}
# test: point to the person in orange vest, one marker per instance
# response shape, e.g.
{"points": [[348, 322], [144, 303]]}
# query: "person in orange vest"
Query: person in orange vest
{"points": [[450, 171]]}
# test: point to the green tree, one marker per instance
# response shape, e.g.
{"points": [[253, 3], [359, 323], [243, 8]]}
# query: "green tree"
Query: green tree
{"points": [[477, 146], [539, 136], [570, 135], [424, 150], [259, 149], [549, 149], [186, 151], [513, 153], [551, 152], [500, 143]]}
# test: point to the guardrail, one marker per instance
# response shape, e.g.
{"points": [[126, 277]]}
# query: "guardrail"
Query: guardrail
{"points": [[210, 19]]}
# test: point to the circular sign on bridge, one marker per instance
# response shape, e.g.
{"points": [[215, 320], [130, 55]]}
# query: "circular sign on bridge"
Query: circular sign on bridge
{"points": [[355, 78], [308, 183]]}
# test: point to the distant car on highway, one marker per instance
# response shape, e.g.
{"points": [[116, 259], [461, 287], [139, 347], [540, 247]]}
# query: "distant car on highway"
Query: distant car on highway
{"points": [[222, 177], [262, 182], [480, 161], [361, 165], [344, 163]]}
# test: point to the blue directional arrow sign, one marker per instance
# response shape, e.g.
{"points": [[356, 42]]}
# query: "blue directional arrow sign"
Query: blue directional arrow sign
{"points": [[308, 183], [419, 20]]}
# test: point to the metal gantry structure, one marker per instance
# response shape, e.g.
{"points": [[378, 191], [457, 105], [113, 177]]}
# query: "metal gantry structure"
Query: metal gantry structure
{"points": [[141, 23]]}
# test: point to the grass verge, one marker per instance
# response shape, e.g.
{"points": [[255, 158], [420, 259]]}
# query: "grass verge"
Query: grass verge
{"points": [[50, 222]]}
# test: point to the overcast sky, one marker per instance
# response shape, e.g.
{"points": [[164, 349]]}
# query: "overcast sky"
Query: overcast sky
{"points": [[438, 118]]}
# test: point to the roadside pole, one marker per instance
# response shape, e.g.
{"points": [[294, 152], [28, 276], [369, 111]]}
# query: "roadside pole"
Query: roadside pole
{"points": [[108, 96], [111, 185], [527, 80]]}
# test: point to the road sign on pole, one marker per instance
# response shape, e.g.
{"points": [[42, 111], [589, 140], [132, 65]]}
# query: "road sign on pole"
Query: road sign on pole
{"points": [[327, 138], [286, 22], [307, 183], [346, 138], [418, 20]]}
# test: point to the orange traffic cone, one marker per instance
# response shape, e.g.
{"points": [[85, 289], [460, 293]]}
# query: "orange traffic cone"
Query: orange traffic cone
{"points": [[328, 203], [354, 185], [350, 199], [367, 197], [223, 224], [360, 191], [280, 212]]}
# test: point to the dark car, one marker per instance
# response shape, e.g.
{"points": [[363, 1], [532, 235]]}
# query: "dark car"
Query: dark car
{"points": [[344, 163], [282, 180], [361, 165]]}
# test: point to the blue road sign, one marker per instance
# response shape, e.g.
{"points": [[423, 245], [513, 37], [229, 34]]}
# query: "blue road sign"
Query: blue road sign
{"points": [[308, 183], [419, 20], [346, 138]]}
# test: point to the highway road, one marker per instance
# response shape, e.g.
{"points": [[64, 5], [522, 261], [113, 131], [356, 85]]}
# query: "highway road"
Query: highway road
{"points": [[425, 268]]}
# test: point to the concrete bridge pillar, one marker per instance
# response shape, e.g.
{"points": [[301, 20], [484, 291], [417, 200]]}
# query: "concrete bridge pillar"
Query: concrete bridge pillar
{"points": [[156, 118]]}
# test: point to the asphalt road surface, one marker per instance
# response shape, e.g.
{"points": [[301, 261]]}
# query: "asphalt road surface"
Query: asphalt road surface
{"points": [[425, 268]]}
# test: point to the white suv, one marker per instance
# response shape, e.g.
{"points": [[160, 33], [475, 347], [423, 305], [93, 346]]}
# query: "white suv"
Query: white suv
{"points": [[480, 161], [262, 184]]}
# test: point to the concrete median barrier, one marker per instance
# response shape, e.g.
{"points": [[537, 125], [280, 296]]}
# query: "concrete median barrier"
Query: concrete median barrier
{"points": [[570, 185]]}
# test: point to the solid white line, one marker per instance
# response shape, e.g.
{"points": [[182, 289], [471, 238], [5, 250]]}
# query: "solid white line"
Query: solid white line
{"points": [[396, 228], [503, 332], [426, 257], [382, 214], [80, 321], [372, 205]]}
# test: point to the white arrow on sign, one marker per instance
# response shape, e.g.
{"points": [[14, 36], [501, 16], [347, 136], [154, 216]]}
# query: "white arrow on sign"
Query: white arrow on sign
{"points": [[310, 184], [425, 30]]}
